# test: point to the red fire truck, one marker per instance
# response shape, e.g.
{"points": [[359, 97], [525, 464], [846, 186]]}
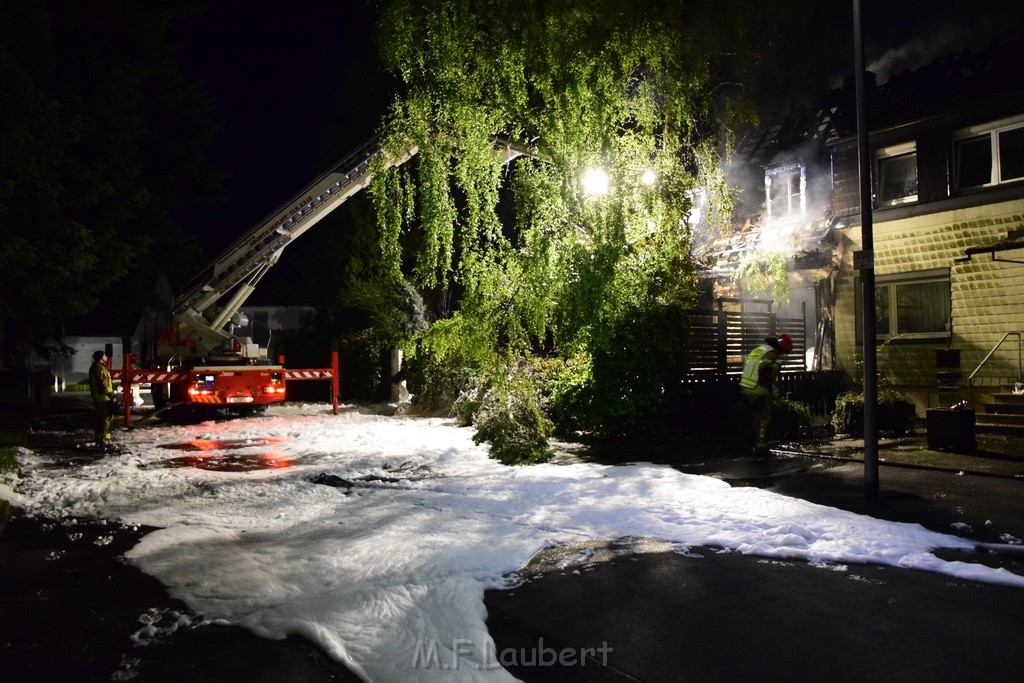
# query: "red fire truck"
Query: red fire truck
{"points": [[206, 357]]}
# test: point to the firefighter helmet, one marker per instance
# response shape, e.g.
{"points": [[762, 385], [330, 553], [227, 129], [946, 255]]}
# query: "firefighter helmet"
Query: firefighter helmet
{"points": [[785, 343]]}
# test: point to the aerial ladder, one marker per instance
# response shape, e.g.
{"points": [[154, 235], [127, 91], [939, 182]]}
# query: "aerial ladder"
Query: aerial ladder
{"points": [[206, 356]]}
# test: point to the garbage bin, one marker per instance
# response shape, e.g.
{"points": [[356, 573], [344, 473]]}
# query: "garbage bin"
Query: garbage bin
{"points": [[951, 430]]}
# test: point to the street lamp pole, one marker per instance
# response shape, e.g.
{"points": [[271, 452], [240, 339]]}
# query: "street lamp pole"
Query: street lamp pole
{"points": [[866, 264]]}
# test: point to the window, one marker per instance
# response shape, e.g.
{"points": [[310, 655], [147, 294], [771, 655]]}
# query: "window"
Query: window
{"points": [[989, 154], [910, 306], [897, 174], [785, 189]]}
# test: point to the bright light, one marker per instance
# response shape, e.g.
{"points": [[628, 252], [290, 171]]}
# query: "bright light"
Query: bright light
{"points": [[649, 177], [595, 182]]}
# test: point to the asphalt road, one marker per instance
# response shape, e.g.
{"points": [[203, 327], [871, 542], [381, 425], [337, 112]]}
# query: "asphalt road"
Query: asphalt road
{"points": [[73, 609], [711, 615]]}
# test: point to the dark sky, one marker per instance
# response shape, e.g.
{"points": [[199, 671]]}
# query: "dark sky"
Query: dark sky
{"points": [[903, 34], [297, 87]]}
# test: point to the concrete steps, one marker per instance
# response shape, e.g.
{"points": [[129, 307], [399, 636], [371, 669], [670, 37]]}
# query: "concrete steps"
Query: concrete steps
{"points": [[1003, 415]]}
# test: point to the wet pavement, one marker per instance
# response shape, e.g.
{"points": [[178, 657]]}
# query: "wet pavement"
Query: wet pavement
{"points": [[706, 613], [619, 610]]}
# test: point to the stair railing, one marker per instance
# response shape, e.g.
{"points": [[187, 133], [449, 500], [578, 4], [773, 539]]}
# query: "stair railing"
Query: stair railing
{"points": [[1020, 345]]}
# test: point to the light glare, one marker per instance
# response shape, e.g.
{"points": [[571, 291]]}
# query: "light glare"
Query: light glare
{"points": [[595, 182]]}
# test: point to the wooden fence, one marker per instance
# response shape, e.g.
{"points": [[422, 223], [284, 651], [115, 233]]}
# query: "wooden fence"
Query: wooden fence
{"points": [[719, 343], [709, 397], [721, 339]]}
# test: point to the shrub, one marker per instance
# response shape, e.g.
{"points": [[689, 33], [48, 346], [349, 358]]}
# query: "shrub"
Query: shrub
{"points": [[571, 396], [629, 386], [509, 417], [895, 412], [789, 418]]}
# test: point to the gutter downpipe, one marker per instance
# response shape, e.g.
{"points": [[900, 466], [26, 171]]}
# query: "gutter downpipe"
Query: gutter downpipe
{"points": [[867, 269]]}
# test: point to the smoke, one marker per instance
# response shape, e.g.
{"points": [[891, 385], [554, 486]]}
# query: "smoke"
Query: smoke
{"points": [[946, 39]]}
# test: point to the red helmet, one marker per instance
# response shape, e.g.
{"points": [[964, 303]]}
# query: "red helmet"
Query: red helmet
{"points": [[785, 343]]}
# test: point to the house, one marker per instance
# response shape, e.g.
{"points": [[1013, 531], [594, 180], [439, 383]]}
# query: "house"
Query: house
{"points": [[947, 164], [782, 253], [947, 169]]}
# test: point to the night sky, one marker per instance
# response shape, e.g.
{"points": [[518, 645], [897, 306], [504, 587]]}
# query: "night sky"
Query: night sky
{"points": [[297, 85]]}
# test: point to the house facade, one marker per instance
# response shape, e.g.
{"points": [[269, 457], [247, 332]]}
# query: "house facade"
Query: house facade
{"points": [[947, 173], [947, 165]]}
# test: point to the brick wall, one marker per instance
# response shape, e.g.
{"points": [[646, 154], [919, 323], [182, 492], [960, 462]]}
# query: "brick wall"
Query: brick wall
{"points": [[987, 296]]}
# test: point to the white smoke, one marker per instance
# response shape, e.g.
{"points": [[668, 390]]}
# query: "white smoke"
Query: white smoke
{"points": [[947, 39]]}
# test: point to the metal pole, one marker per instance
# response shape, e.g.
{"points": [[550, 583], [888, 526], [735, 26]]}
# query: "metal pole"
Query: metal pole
{"points": [[1019, 356], [335, 383], [867, 270], [126, 380]]}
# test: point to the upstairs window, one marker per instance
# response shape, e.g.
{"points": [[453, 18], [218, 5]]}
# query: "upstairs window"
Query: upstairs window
{"points": [[896, 168], [785, 189], [989, 154]]}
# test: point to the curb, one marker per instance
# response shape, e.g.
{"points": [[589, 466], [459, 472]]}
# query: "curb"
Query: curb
{"points": [[904, 465]]}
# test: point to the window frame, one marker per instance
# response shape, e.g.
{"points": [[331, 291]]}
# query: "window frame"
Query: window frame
{"points": [[992, 130], [892, 152], [889, 283], [770, 176]]}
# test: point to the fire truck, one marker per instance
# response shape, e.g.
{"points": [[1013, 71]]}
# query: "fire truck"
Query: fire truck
{"points": [[206, 356]]}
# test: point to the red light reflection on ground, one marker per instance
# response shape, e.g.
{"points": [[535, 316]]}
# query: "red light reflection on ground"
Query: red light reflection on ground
{"points": [[211, 455], [220, 444]]}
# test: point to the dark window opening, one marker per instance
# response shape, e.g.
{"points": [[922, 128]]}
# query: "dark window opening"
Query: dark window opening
{"points": [[1011, 154], [974, 162], [897, 178]]}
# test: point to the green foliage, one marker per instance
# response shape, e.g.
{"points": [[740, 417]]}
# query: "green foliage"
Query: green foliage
{"points": [[510, 418], [446, 367], [532, 263], [895, 412], [765, 273], [571, 396], [789, 418], [637, 368]]}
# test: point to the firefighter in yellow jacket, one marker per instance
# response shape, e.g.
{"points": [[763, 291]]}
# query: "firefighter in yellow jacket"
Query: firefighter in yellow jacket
{"points": [[101, 386], [757, 385]]}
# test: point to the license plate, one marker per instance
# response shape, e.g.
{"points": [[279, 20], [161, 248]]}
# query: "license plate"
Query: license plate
{"points": [[239, 399]]}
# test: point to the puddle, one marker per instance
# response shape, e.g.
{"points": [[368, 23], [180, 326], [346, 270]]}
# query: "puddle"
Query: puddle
{"points": [[242, 462], [219, 444], [209, 454]]}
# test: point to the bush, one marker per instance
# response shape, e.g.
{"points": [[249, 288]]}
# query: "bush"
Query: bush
{"points": [[630, 385], [571, 396], [895, 412], [789, 418], [444, 368], [509, 417]]}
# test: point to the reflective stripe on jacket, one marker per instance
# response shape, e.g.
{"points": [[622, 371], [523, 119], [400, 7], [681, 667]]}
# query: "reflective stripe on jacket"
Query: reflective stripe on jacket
{"points": [[759, 370]]}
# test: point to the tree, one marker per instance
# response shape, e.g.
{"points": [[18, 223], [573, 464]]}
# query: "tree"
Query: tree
{"points": [[636, 89], [100, 137]]}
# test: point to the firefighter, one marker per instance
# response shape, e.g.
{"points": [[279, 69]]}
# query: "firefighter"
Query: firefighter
{"points": [[757, 385], [101, 385]]}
